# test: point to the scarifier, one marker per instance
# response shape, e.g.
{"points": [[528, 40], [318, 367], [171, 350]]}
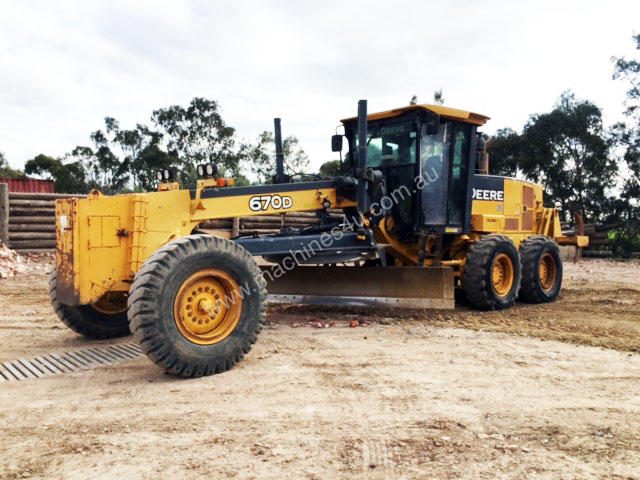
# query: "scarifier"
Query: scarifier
{"points": [[420, 216]]}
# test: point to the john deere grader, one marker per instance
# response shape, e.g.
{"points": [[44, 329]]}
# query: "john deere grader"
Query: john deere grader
{"points": [[420, 216]]}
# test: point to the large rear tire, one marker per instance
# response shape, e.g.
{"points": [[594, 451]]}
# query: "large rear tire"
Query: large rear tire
{"points": [[541, 270], [197, 305], [492, 273], [105, 319]]}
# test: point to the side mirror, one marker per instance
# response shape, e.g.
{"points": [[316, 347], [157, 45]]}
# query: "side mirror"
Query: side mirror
{"points": [[432, 123], [336, 143]]}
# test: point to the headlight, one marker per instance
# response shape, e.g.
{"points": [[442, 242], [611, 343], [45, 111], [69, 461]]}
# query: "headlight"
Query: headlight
{"points": [[207, 170]]}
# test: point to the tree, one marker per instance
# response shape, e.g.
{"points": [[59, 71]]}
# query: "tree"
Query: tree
{"points": [[43, 165], [258, 159], [104, 169], [505, 150], [198, 134], [438, 97], [330, 168], [122, 159], [6, 171], [67, 178], [567, 150], [151, 159], [627, 134], [296, 161], [132, 143], [143, 155]]}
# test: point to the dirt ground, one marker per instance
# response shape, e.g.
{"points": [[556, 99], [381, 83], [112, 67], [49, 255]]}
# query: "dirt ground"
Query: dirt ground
{"points": [[546, 392]]}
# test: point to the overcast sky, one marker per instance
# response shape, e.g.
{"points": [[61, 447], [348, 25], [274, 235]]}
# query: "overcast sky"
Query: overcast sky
{"points": [[65, 65]]}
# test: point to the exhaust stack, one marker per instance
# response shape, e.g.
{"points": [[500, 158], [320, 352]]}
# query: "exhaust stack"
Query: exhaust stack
{"points": [[279, 178], [362, 156], [482, 157]]}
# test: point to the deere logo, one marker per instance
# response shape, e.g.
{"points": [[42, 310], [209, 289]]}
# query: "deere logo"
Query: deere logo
{"points": [[485, 194]]}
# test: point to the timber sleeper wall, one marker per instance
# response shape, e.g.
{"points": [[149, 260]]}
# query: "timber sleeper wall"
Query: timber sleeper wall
{"points": [[27, 221]]}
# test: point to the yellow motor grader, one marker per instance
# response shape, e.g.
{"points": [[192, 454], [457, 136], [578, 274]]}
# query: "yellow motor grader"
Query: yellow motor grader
{"points": [[419, 216]]}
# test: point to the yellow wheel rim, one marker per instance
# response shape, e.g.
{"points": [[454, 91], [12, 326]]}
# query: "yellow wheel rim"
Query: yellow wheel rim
{"points": [[207, 307], [112, 303], [547, 272], [502, 275]]}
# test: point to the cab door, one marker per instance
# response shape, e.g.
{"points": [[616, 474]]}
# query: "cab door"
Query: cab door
{"points": [[446, 167]]}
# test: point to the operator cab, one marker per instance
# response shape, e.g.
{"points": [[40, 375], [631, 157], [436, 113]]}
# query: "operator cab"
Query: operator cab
{"points": [[424, 157]]}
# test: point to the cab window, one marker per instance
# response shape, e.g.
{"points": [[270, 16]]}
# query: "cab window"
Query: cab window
{"points": [[434, 154], [390, 144], [459, 167]]}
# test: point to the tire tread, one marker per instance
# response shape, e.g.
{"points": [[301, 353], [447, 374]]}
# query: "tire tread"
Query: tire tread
{"points": [[148, 284], [478, 260], [530, 291]]}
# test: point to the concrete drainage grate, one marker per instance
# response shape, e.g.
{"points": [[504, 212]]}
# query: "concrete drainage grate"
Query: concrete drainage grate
{"points": [[56, 364]]}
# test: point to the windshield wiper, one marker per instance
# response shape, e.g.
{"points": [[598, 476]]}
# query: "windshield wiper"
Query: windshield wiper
{"points": [[374, 134]]}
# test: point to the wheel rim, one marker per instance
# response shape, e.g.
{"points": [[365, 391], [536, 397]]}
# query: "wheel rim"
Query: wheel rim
{"points": [[547, 272], [207, 307], [112, 303], [502, 275]]}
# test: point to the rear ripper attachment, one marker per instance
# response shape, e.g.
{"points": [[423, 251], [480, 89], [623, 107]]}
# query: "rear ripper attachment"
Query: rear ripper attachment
{"points": [[405, 221]]}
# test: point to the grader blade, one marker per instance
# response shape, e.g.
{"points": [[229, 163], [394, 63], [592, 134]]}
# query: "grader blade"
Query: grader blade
{"points": [[403, 287]]}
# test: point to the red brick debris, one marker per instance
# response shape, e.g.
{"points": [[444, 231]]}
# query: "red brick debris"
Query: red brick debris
{"points": [[12, 264]]}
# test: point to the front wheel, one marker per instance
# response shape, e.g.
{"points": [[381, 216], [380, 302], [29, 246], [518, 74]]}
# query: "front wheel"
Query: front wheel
{"points": [[492, 273], [541, 270], [197, 305]]}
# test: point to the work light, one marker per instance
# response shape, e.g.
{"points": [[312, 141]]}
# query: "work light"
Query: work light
{"points": [[207, 170], [159, 175]]}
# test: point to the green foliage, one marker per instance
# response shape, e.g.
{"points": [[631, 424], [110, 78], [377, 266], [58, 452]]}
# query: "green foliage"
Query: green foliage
{"points": [[142, 155], [296, 161], [627, 134], [148, 161], [505, 150], [629, 70], [120, 160], [438, 97], [104, 169], [259, 158], [568, 151], [198, 134], [330, 168], [242, 181], [6, 171], [43, 165], [67, 178], [626, 240]]}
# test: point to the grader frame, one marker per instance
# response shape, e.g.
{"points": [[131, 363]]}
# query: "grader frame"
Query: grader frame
{"points": [[196, 303]]}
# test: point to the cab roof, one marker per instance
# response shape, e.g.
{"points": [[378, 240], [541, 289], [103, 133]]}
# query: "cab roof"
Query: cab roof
{"points": [[445, 112]]}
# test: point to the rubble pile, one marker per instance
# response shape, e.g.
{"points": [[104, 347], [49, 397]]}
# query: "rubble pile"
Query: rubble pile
{"points": [[12, 264]]}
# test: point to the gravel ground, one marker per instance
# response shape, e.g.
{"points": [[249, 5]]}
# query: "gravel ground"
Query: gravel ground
{"points": [[544, 391]]}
